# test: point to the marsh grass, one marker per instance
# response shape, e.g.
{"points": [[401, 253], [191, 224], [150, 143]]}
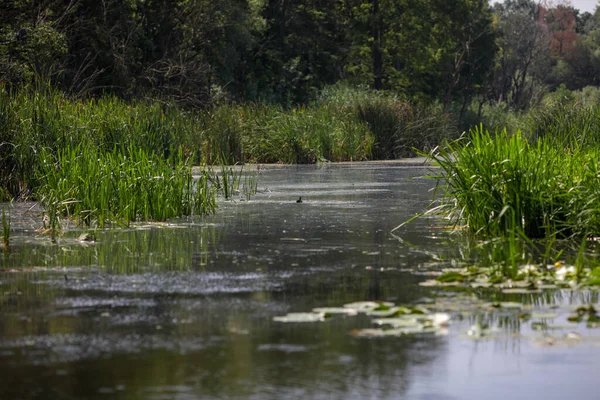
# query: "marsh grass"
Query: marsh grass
{"points": [[272, 134], [100, 188], [5, 230], [400, 128], [495, 184], [229, 179], [519, 191], [46, 121]]}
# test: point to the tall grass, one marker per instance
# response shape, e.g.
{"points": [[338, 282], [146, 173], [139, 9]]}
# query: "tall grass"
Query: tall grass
{"points": [[120, 186], [272, 134], [32, 122], [104, 159], [400, 128], [5, 230], [497, 184]]}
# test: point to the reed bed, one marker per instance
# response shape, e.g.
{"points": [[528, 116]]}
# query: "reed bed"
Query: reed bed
{"points": [[5, 230], [341, 125], [99, 188], [104, 160], [543, 187]]}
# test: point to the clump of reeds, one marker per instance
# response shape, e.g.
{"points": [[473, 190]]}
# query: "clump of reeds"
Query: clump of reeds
{"points": [[5, 231], [497, 184], [96, 187], [400, 127], [272, 134]]}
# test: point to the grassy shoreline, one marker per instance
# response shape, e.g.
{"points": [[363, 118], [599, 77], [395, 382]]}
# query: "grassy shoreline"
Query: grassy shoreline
{"points": [[343, 124]]}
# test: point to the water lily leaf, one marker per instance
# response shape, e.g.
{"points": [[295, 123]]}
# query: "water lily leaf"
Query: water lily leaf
{"points": [[543, 315], [519, 285], [398, 322], [484, 285], [505, 304], [433, 283], [301, 317], [418, 310], [390, 332], [390, 312], [365, 306], [451, 277], [335, 310], [520, 291]]}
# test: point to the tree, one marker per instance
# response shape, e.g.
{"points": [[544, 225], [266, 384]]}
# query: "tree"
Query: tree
{"points": [[524, 56]]}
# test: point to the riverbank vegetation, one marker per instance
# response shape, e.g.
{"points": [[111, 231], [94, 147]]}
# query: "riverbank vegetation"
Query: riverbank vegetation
{"points": [[142, 87]]}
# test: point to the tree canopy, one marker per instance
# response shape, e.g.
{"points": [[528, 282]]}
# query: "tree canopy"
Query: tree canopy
{"points": [[197, 52]]}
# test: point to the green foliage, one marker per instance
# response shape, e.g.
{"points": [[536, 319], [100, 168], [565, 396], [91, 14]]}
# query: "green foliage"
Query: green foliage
{"points": [[308, 134], [588, 97], [45, 119], [503, 183], [5, 230], [399, 127], [120, 186]]}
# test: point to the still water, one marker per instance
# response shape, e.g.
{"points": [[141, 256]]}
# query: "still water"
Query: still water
{"points": [[185, 310]]}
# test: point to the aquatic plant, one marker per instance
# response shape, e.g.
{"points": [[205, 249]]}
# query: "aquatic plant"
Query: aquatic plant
{"points": [[497, 184], [96, 187], [5, 230], [399, 127], [393, 320]]}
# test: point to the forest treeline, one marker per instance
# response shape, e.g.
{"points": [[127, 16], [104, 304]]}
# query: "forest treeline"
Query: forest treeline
{"points": [[201, 52]]}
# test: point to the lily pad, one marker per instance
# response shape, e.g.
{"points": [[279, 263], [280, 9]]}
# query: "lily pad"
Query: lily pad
{"points": [[335, 310], [391, 332], [301, 317], [365, 306], [451, 277], [390, 312], [520, 291], [506, 305], [398, 322], [543, 315]]}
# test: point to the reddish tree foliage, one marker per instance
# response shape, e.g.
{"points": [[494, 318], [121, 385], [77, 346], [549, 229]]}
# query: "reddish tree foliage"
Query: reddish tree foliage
{"points": [[561, 23]]}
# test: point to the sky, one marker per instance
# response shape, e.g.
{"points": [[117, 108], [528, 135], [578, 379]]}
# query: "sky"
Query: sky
{"points": [[585, 5], [581, 5]]}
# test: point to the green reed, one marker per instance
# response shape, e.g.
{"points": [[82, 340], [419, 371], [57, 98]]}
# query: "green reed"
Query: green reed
{"points": [[5, 230], [495, 184], [95, 187]]}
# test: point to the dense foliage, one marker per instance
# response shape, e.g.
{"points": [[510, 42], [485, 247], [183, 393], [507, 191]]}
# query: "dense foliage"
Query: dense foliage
{"points": [[541, 182], [199, 51]]}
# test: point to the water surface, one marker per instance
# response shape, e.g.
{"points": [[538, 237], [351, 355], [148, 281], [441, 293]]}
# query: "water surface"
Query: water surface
{"points": [[184, 310]]}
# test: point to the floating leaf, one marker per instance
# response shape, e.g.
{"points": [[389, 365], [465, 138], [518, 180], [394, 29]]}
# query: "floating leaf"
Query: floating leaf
{"points": [[544, 315], [505, 304], [521, 291], [335, 310], [398, 322], [451, 277], [391, 332], [301, 317], [365, 306], [390, 312]]}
